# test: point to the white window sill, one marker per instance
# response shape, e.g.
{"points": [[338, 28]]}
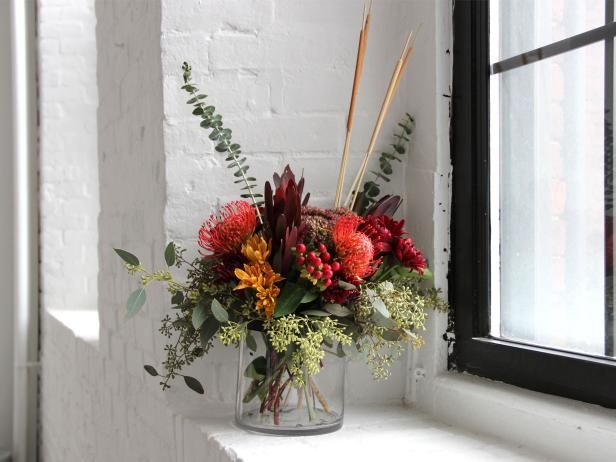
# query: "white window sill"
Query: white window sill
{"points": [[564, 429], [370, 433], [84, 324]]}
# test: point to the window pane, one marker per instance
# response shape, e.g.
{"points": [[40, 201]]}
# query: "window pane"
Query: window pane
{"points": [[547, 131], [518, 26]]}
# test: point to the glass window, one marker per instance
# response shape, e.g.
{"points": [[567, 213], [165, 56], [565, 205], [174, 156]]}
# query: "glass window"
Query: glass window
{"points": [[523, 25], [551, 170]]}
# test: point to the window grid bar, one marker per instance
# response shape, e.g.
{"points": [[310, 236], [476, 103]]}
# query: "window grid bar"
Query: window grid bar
{"points": [[606, 32], [609, 181]]}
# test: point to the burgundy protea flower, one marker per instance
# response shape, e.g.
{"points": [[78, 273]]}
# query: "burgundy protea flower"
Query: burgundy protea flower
{"points": [[226, 264], [282, 211], [224, 233], [409, 255], [354, 249], [382, 231]]}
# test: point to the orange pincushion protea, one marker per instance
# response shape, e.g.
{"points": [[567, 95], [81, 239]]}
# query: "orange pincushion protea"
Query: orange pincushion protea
{"points": [[225, 232], [355, 250]]}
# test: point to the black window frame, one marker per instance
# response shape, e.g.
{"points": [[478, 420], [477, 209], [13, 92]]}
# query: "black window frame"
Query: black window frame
{"points": [[581, 377]]}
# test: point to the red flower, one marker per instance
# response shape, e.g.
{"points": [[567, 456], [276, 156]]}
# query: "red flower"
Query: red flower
{"points": [[409, 255], [354, 249], [225, 232], [382, 231], [336, 294], [225, 266]]}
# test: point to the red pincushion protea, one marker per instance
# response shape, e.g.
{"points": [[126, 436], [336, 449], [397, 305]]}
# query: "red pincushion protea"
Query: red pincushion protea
{"points": [[224, 233], [409, 255], [354, 249], [382, 231]]}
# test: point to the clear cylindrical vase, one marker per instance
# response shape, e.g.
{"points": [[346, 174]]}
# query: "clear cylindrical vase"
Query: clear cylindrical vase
{"points": [[270, 399]]}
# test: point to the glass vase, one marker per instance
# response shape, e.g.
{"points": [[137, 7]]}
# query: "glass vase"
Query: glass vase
{"points": [[270, 398]]}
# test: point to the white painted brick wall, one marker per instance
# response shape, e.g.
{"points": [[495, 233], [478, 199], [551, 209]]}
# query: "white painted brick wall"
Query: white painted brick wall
{"points": [[96, 403], [280, 73], [68, 163]]}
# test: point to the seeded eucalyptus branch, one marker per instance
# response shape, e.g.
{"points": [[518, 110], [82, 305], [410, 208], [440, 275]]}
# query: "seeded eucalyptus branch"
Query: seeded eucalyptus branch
{"points": [[372, 188], [222, 136]]}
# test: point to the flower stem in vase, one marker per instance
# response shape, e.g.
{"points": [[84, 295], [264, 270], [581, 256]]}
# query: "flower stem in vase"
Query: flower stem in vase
{"points": [[310, 410], [286, 398], [320, 397], [278, 400], [300, 397]]}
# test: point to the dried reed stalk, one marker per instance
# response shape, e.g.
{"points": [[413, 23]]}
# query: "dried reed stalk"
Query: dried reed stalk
{"points": [[359, 66], [391, 90], [319, 395]]}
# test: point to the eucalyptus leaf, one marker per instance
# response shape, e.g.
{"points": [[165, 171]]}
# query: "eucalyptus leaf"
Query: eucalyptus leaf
{"points": [[346, 285], [310, 297], [381, 315], [194, 384], [134, 303], [221, 135], [256, 369], [379, 306], [340, 351], [399, 148], [151, 370], [127, 257], [316, 313], [391, 335], [251, 342], [219, 312], [170, 254], [199, 315], [208, 330], [337, 310], [253, 390], [178, 298]]}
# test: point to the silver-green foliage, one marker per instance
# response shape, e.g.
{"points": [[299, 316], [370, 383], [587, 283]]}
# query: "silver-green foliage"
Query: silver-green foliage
{"points": [[222, 137], [372, 188]]}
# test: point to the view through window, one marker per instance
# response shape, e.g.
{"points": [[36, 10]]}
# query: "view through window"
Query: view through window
{"points": [[551, 105]]}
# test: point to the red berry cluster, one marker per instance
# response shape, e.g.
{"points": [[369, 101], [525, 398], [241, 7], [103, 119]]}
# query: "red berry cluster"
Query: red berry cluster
{"points": [[317, 264]]}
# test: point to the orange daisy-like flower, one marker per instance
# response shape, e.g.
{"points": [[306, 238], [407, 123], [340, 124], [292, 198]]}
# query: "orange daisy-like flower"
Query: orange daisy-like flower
{"points": [[266, 299], [225, 232], [263, 279], [256, 249], [249, 277], [355, 250], [270, 277]]}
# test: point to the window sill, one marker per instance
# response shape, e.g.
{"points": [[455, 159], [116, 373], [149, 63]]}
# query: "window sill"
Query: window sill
{"points": [[379, 432], [561, 428], [84, 324]]}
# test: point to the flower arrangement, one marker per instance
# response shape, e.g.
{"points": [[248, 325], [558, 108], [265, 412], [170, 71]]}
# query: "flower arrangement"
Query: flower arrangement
{"points": [[307, 281]]}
